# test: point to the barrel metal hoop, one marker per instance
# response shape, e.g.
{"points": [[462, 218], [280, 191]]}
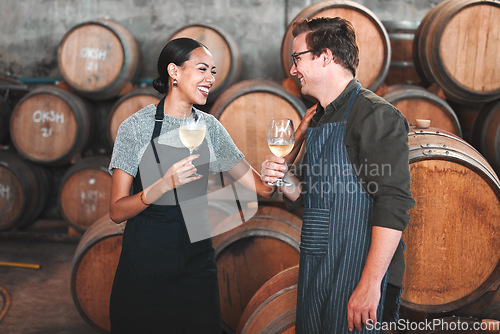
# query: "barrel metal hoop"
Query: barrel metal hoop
{"points": [[75, 264], [453, 155], [289, 315], [288, 223], [260, 232], [402, 64], [267, 301]]}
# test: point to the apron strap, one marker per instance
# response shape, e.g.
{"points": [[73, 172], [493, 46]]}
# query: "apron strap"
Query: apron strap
{"points": [[157, 129], [156, 133], [353, 96]]}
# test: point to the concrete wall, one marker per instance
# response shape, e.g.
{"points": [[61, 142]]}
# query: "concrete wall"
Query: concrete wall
{"points": [[32, 29]]}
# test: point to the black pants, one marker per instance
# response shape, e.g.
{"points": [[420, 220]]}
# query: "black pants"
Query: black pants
{"points": [[391, 305]]}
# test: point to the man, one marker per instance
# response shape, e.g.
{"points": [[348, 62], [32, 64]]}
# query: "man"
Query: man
{"points": [[355, 188]]}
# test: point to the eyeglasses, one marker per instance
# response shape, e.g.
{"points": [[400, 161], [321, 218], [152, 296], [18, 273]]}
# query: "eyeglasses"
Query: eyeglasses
{"points": [[296, 54]]}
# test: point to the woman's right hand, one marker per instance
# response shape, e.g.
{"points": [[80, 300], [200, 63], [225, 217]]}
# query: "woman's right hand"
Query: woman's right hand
{"points": [[181, 173]]}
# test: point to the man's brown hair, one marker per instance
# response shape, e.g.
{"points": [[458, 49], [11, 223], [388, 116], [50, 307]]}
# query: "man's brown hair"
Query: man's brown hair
{"points": [[336, 34]]}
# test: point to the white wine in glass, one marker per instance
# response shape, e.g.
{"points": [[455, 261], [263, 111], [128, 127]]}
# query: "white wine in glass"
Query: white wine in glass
{"points": [[280, 138], [192, 132]]}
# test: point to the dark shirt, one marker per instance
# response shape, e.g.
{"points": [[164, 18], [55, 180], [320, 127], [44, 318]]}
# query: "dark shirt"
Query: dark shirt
{"points": [[377, 145]]}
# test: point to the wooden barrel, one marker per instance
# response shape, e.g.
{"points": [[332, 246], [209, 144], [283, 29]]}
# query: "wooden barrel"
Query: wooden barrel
{"points": [[276, 315], [24, 191], [246, 110], [85, 192], [99, 58], [452, 245], [452, 325], [423, 29], [224, 49], [51, 126], [371, 37], [127, 105], [272, 289], [401, 68], [453, 50], [272, 234], [486, 133], [93, 270], [486, 307], [415, 102]]}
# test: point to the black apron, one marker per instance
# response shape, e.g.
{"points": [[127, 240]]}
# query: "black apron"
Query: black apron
{"points": [[336, 233], [164, 283]]}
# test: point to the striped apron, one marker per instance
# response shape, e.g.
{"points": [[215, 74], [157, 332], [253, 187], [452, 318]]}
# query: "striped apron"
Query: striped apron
{"points": [[336, 232]]}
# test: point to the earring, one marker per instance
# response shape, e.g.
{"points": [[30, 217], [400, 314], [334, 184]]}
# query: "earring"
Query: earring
{"points": [[174, 83]]}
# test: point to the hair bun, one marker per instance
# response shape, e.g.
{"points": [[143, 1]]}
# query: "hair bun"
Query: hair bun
{"points": [[160, 85]]}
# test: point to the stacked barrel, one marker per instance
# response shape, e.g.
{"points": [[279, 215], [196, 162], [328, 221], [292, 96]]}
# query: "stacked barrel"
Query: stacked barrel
{"points": [[53, 127], [452, 250], [441, 69]]}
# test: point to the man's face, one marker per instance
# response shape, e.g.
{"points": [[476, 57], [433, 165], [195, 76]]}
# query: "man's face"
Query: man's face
{"points": [[304, 66]]}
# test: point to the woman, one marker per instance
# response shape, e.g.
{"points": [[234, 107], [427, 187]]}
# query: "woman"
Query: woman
{"points": [[164, 283]]}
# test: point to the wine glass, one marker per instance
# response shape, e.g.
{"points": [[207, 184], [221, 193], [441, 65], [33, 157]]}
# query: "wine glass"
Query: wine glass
{"points": [[280, 139], [192, 132]]}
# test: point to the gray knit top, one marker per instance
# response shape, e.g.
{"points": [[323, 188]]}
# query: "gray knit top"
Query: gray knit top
{"points": [[134, 135]]}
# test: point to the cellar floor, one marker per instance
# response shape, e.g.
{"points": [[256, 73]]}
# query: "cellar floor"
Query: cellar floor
{"points": [[40, 300]]}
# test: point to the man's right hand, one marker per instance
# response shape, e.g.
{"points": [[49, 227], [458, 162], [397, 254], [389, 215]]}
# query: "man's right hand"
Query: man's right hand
{"points": [[273, 168]]}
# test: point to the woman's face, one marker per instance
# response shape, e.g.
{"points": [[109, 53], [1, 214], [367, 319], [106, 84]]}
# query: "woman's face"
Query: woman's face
{"points": [[196, 76]]}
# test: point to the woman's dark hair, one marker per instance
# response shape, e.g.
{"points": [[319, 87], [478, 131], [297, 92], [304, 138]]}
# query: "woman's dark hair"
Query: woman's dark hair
{"points": [[176, 51], [336, 34]]}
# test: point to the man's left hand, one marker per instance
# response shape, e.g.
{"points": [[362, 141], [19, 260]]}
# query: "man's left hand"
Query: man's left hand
{"points": [[363, 305]]}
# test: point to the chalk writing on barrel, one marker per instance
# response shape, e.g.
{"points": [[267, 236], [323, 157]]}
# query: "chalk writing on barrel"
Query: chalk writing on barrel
{"points": [[4, 191], [47, 116], [41, 116], [93, 53], [89, 199]]}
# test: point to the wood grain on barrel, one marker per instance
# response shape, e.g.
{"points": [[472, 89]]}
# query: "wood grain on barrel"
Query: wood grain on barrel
{"points": [[24, 190], [85, 192], [51, 126], [246, 110], [99, 59], [276, 315], [416, 103], [285, 279], [251, 254], [453, 249], [469, 47], [11, 198], [457, 46], [91, 57], [126, 106], [94, 265], [44, 127], [371, 36], [401, 69]]}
